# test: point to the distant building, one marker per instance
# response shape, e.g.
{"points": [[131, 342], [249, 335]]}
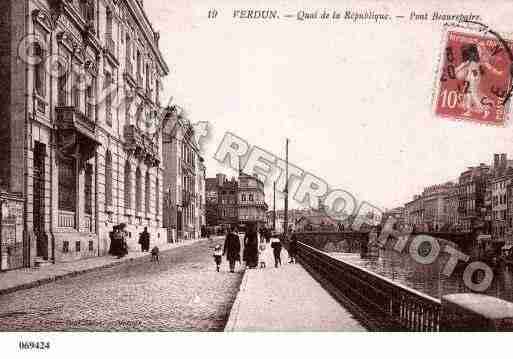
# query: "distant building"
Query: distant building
{"points": [[472, 187], [399, 215], [235, 202], [211, 200], [497, 199], [251, 198], [433, 198], [451, 214], [183, 181], [227, 207], [293, 216], [414, 213]]}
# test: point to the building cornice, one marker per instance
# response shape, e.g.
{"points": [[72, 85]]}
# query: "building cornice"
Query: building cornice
{"points": [[146, 29]]}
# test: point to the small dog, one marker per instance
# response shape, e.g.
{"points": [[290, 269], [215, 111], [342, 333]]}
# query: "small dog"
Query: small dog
{"points": [[155, 254]]}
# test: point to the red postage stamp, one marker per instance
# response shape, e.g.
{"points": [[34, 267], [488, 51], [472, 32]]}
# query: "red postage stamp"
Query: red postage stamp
{"points": [[474, 78]]}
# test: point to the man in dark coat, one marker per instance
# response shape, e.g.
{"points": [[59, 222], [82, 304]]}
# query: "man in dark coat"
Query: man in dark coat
{"points": [[144, 240], [232, 248]]}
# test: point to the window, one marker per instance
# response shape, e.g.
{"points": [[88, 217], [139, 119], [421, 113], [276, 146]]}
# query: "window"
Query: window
{"points": [[62, 86], [108, 179], [138, 190], [91, 246], [77, 246], [139, 65], [75, 88], [67, 185], [147, 185], [251, 198], [39, 71], [65, 247], [88, 189], [147, 78], [128, 190], [157, 91], [108, 98], [89, 100], [108, 24], [243, 198], [128, 50]]}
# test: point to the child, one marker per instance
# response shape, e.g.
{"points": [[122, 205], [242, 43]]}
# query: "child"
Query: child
{"points": [[218, 255], [261, 250]]}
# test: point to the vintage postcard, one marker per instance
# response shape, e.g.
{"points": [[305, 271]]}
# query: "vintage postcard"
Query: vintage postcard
{"points": [[253, 167]]}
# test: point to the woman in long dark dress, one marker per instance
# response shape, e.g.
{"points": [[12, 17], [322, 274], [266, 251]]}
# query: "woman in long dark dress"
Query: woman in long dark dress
{"points": [[113, 248], [251, 246]]}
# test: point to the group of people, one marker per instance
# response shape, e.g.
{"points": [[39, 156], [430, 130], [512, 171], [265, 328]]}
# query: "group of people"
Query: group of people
{"points": [[118, 241], [253, 248]]}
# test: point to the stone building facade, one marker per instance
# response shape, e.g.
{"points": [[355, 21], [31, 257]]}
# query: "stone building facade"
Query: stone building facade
{"points": [[414, 213], [434, 203], [472, 187], [184, 181], [82, 81], [251, 198], [222, 205], [451, 215]]}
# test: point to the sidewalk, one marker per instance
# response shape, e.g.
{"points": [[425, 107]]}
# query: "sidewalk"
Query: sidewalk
{"points": [[286, 298], [24, 278]]}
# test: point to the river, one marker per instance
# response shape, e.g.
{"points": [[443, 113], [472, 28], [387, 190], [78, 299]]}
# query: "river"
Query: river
{"points": [[400, 267]]}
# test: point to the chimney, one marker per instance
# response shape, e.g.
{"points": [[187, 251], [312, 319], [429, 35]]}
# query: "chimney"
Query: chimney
{"points": [[496, 160], [156, 35]]}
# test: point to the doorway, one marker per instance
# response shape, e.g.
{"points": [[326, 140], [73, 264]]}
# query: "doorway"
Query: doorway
{"points": [[39, 200]]}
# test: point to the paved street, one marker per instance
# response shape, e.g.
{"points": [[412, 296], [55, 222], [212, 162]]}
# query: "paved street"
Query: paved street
{"points": [[183, 292]]}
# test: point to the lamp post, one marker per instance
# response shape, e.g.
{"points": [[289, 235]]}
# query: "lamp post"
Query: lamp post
{"points": [[274, 206], [286, 215]]}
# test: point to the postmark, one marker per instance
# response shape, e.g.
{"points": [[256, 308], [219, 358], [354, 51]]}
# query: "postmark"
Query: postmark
{"points": [[474, 78]]}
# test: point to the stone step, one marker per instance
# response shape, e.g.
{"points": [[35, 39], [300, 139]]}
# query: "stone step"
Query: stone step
{"points": [[40, 262]]}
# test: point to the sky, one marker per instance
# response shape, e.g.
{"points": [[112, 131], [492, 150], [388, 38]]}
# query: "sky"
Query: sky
{"points": [[354, 99]]}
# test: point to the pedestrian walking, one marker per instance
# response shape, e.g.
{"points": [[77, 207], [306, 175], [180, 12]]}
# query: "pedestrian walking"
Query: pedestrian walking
{"points": [[122, 238], [276, 246], [144, 240], [218, 256], [114, 245], [118, 246], [251, 246], [293, 248], [232, 248]]}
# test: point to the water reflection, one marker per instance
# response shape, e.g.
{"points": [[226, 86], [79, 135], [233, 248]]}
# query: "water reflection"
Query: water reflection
{"points": [[428, 279]]}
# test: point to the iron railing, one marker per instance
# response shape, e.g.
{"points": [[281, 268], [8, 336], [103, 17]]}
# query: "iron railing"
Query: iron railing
{"points": [[390, 304]]}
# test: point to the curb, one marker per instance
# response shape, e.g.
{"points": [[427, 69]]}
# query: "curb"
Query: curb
{"points": [[234, 312], [55, 278]]}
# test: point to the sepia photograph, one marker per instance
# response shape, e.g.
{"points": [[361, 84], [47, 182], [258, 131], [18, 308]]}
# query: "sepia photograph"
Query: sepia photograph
{"points": [[302, 173]]}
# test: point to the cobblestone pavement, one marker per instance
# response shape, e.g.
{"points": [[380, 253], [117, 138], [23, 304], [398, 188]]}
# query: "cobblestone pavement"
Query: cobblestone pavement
{"points": [[182, 293]]}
